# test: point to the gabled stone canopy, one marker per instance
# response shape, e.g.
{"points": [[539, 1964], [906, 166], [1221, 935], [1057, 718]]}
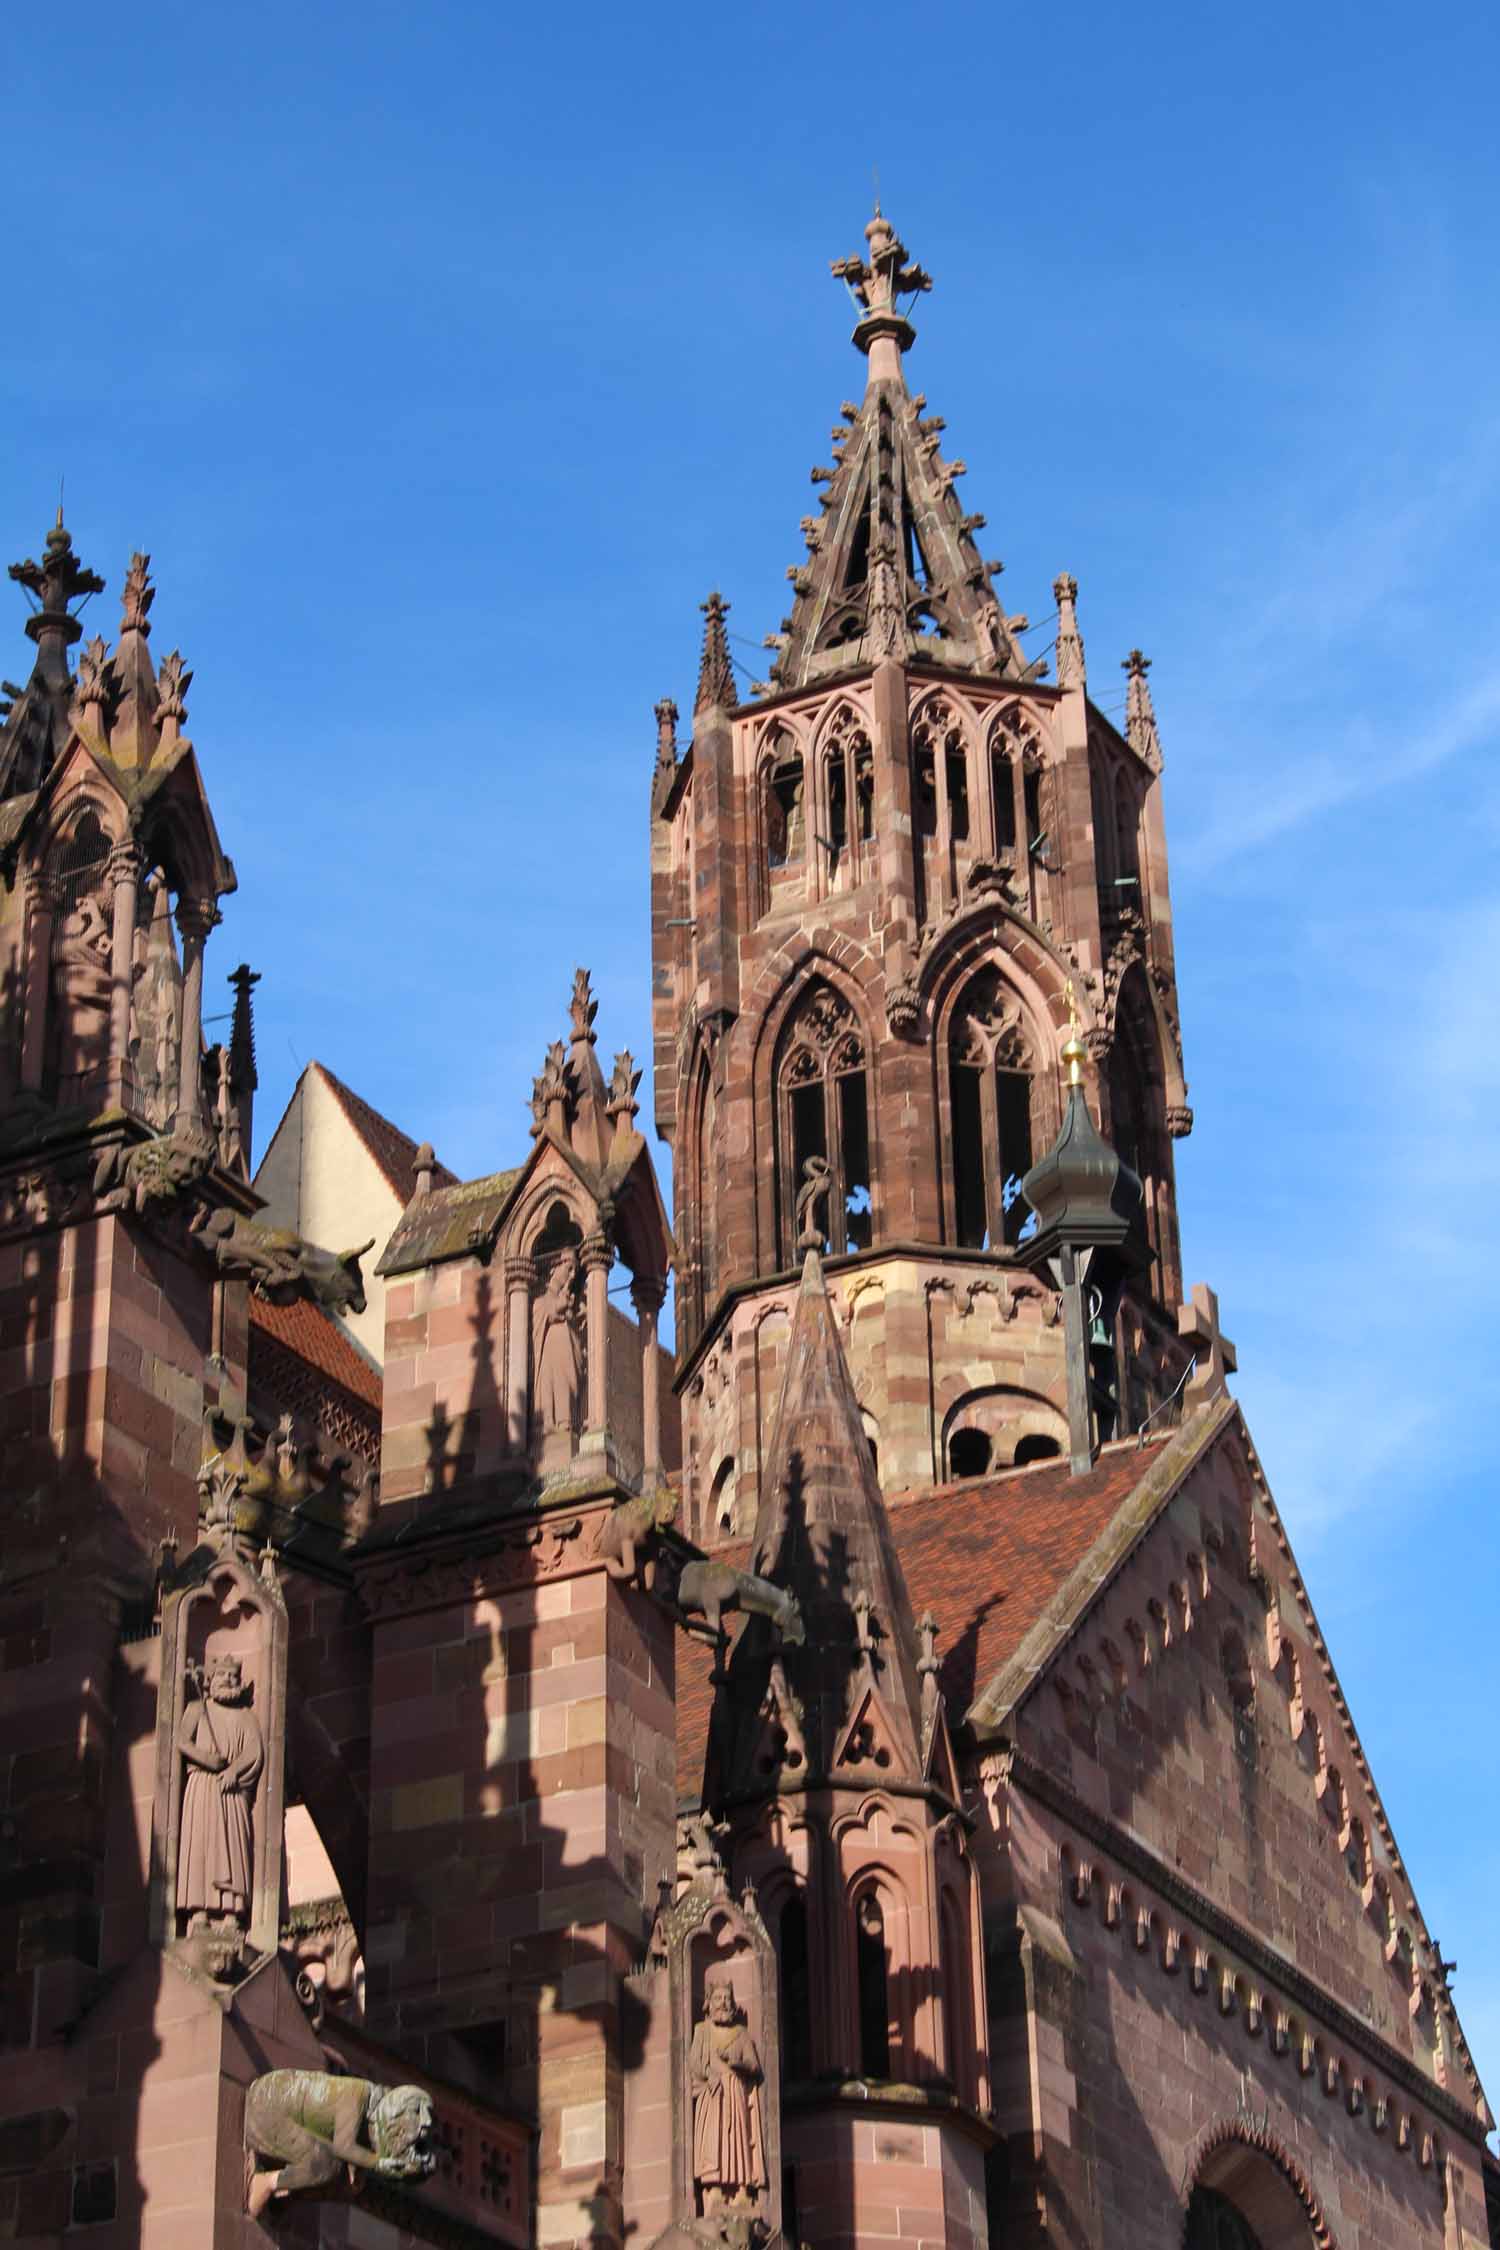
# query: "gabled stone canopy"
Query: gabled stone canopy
{"points": [[892, 569]]}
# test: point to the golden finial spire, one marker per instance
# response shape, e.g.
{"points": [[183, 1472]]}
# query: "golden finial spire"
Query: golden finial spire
{"points": [[1073, 1048]]}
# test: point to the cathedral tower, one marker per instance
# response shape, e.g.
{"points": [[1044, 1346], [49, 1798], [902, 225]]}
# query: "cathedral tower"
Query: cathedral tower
{"points": [[881, 885]]}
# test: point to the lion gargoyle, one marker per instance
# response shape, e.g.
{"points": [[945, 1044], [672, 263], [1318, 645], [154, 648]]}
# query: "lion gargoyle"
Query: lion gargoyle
{"points": [[628, 1538], [309, 2124]]}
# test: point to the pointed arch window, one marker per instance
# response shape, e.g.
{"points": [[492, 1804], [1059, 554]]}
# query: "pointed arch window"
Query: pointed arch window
{"points": [[783, 811], [992, 1093], [941, 812], [823, 1117], [848, 798], [872, 1987], [1015, 778]]}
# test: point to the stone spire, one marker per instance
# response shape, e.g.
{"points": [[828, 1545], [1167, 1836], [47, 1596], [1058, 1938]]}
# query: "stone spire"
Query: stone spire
{"points": [[893, 569], [1140, 712], [715, 672], [35, 727], [823, 1533]]}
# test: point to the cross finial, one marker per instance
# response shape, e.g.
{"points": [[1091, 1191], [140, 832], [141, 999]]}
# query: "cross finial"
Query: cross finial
{"points": [[883, 332], [1198, 1325]]}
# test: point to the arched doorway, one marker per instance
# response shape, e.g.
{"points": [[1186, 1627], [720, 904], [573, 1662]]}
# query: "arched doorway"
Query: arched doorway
{"points": [[1249, 2194]]}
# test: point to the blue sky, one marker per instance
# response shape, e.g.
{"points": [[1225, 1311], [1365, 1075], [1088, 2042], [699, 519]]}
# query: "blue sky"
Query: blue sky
{"points": [[444, 360]]}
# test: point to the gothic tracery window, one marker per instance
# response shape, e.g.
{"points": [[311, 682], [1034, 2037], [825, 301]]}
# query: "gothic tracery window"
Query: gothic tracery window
{"points": [[822, 1117], [992, 1093]]}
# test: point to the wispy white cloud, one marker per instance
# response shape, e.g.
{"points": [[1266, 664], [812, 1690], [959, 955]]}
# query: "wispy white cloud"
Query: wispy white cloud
{"points": [[1264, 805]]}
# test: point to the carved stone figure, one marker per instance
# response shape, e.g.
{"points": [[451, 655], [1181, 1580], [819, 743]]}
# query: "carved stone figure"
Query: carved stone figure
{"points": [[707, 1589], [559, 1352], [147, 1172], [81, 989], [279, 1265], [220, 1743], [729, 2161], [309, 2123], [629, 1533]]}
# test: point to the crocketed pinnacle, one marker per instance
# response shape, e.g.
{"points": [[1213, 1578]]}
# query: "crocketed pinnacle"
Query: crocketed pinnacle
{"points": [[822, 1531], [1140, 712], [715, 672], [893, 569]]}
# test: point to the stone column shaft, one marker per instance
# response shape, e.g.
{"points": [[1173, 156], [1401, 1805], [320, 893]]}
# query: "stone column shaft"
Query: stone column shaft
{"points": [[518, 1281], [124, 872], [38, 981], [647, 1296], [597, 1260], [195, 918]]}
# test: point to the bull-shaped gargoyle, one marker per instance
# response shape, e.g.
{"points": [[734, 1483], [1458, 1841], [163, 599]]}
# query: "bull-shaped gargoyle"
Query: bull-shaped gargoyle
{"points": [[706, 1589]]}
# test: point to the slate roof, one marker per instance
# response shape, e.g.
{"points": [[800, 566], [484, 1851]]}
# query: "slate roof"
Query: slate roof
{"points": [[985, 1556], [307, 1331], [394, 1151]]}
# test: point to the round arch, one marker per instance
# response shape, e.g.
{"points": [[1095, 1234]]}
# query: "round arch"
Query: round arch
{"points": [[1242, 2174], [1006, 1418]]}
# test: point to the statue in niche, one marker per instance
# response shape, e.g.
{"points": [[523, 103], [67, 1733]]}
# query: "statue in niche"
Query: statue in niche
{"points": [[220, 1744], [558, 1347], [81, 962], [724, 2067], [309, 2122]]}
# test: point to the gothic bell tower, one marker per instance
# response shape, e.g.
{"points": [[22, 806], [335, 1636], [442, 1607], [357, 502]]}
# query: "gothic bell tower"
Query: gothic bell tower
{"points": [[882, 883]]}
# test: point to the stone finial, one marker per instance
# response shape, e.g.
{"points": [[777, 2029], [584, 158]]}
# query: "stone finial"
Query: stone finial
{"points": [[549, 1096], [1140, 712], [55, 583], [1216, 1358], [666, 734], [583, 1007], [424, 1163], [93, 676], [882, 333], [715, 672], [172, 684], [623, 1082], [1070, 661], [138, 595]]}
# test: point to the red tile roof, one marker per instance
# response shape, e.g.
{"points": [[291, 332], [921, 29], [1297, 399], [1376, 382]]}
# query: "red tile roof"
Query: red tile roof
{"points": [[394, 1151], [985, 1556], [307, 1331]]}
